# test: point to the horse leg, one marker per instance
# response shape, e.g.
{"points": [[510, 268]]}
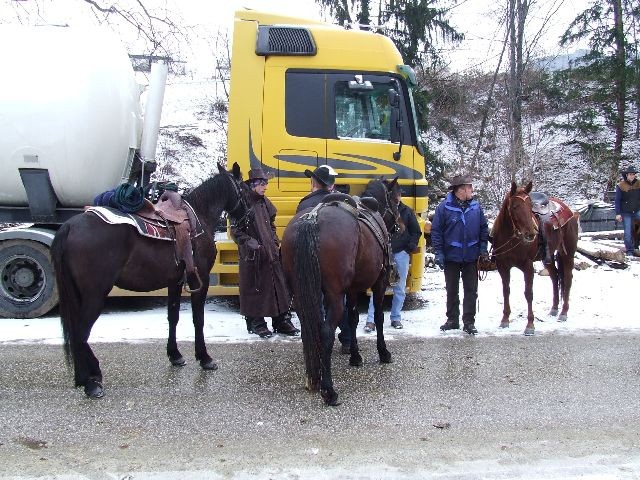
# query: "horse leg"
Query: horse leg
{"points": [[378, 290], [197, 310], [566, 267], [86, 365], [528, 294], [553, 275], [335, 312], [505, 276], [355, 359], [173, 316]]}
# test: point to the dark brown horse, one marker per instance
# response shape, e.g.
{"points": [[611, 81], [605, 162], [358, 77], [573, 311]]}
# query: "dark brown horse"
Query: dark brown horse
{"points": [[330, 252], [516, 244], [91, 256]]}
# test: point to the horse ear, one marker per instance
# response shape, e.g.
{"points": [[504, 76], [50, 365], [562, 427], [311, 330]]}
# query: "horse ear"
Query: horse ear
{"points": [[236, 171], [221, 168], [514, 188], [529, 187], [392, 184]]}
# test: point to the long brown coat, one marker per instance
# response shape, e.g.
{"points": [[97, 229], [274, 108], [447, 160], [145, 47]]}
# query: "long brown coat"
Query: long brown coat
{"points": [[263, 289]]}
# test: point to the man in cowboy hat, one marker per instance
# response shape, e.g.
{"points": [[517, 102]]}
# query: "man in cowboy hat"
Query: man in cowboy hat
{"points": [[323, 180], [459, 234], [627, 204], [263, 288]]}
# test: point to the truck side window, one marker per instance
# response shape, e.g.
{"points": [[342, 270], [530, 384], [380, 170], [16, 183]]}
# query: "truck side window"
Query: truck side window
{"points": [[304, 104], [362, 113]]}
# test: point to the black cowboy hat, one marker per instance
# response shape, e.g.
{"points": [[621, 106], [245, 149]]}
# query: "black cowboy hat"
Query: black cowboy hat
{"points": [[323, 174], [258, 174], [628, 169], [460, 180]]}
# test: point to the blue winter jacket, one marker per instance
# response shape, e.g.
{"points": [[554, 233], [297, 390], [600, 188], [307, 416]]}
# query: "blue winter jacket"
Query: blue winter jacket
{"points": [[461, 235]]}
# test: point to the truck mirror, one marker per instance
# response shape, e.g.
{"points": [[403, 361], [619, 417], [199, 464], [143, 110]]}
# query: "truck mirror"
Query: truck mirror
{"points": [[396, 123]]}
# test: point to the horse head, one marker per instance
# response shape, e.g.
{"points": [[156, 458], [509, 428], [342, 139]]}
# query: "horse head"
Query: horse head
{"points": [[389, 207], [237, 204], [518, 207]]}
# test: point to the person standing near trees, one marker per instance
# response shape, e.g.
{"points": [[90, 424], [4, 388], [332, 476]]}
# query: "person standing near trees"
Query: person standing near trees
{"points": [[263, 288], [459, 235], [627, 204]]}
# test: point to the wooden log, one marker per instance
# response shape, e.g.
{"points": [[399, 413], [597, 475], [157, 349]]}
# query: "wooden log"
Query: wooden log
{"points": [[597, 250], [582, 262], [607, 235]]}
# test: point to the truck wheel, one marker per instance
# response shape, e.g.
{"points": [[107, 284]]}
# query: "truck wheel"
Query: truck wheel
{"points": [[27, 282]]}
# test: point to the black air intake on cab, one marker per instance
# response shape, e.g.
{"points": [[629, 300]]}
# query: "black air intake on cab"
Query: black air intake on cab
{"points": [[284, 41]]}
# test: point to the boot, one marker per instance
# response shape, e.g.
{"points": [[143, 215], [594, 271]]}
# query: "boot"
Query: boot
{"points": [[450, 325], [282, 324], [470, 328], [258, 326]]}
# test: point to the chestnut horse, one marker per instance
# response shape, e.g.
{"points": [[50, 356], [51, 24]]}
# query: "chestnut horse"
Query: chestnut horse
{"points": [[91, 256], [329, 252], [514, 237]]}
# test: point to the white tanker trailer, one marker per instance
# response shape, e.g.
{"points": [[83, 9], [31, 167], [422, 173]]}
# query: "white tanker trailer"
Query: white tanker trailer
{"points": [[70, 128]]}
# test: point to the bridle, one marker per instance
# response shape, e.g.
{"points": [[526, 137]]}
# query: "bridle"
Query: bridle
{"points": [[241, 202], [389, 211]]}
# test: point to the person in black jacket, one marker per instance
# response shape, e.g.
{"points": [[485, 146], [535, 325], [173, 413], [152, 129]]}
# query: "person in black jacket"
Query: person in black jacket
{"points": [[627, 204], [401, 246], [323, 179]]}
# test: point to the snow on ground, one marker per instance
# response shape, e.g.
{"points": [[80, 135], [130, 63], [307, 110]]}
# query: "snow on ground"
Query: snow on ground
{"points": [[600, 302]]}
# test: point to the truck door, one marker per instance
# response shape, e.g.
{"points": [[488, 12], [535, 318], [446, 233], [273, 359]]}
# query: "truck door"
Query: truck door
{"points": [[365, 132]]}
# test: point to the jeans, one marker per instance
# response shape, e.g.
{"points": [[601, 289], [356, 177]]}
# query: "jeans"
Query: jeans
{"points": [[627, 223], [401, 260]]}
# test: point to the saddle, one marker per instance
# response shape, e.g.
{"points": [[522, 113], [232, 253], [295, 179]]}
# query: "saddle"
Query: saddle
{"points": [[363, 210], [552, 215], [171, 219]]}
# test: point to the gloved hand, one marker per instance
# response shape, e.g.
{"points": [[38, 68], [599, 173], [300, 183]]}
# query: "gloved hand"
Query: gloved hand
{"points": [[483, 248], [253, 244], [439, 260]]}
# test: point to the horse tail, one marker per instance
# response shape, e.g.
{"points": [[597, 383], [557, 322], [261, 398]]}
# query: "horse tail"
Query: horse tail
{"points": [[69, 305], [560, 266], [309, 295]]}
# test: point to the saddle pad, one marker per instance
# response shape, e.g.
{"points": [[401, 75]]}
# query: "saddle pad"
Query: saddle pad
{"points": [[560, 213], [145, 227]]}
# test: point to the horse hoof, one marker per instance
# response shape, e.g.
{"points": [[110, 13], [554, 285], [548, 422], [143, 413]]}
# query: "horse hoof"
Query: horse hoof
{"points": [[94, 389], [178, 362], [529, 332], [553, 312], [208, 365], [562, 317], [331, 399], [355, 360], [504, 324], [386, 358]]}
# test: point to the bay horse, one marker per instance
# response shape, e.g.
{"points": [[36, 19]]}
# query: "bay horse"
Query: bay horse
{"points": [[329, 252], [515, 241], [91, 256]]}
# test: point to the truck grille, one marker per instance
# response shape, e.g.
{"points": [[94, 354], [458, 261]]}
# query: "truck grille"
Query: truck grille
{"points": [[285, 41]]}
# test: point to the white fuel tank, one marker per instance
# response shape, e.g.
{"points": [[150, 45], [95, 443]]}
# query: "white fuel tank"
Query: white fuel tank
{"points": [[69, 103]]}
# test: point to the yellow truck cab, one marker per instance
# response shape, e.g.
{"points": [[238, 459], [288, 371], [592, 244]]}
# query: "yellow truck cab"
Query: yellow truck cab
{"points": [[306, 93]]}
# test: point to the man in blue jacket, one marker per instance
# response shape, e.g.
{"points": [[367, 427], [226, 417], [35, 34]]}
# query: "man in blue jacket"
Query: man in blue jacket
{"points": [[459, 235]]}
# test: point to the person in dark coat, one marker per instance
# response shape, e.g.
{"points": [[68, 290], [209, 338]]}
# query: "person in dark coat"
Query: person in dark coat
{"points": [[263, 288], [459, 235], [627, 204], [401, 246], [323, 180]]}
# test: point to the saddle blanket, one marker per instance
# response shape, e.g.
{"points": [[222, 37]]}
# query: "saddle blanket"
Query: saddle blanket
{"points": [[146, 228], [559, 213]]}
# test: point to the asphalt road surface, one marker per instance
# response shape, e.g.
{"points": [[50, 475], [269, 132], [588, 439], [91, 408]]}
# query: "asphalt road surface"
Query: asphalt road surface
{"points": [[549, 406]]}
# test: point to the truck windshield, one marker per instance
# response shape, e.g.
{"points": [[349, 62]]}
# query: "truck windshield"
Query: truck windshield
{"points": [[363, 113]]}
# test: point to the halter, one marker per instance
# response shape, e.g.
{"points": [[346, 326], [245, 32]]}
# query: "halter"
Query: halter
{"points": [[241, 202], [388, 211]]}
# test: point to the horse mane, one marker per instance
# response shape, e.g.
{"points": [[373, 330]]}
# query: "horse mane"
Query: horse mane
{"points": [[212, 191]]}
